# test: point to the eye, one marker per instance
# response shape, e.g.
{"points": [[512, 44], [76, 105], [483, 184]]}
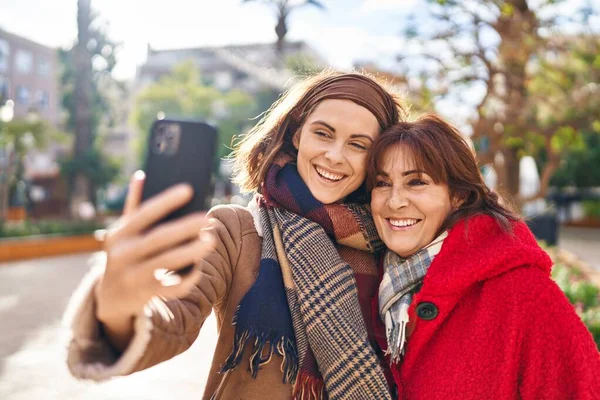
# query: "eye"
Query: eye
{"points": [[417, 182], [322, 134], [358, 146], [381, 183]]}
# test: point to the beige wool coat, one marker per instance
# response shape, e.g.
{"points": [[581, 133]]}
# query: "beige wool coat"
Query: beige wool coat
{"points": [[167, 328]]}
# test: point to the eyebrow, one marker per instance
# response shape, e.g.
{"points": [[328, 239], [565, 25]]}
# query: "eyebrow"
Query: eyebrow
{"points": [[406, 173], [413, 171], [332, 129]]}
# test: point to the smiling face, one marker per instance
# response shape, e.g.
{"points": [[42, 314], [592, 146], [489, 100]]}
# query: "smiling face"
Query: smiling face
{"points": [[408, 207], [332, 148]]}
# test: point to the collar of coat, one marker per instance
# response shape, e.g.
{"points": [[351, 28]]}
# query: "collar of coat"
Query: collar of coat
{"points": [[478, 249]]}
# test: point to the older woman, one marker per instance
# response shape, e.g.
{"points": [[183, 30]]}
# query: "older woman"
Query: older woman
{"points": [[469, 308]]}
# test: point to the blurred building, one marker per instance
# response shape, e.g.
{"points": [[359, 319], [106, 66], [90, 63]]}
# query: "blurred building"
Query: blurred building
{"points": [[249, 67], [252, 68], [28, 76]]}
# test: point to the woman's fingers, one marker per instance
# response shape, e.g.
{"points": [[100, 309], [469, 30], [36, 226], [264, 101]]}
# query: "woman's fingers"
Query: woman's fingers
{"points": [[176, 258], [134, 194], [154, 209], [171, 233]]}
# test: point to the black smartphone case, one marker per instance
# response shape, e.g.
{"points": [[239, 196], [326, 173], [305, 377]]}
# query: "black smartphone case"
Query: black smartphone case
{"points": [[188, 158]]}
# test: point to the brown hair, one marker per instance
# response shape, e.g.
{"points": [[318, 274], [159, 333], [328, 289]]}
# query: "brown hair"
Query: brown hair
{"points": [[439, 149], [273, 134]]}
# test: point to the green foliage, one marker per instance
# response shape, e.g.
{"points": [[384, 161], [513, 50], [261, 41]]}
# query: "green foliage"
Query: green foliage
{"points": [[103, 54], [507, 9], [567, 137], [15, 132], [591, 319], [514, 142], [16, 137], [566, 101], [183, 94], [538, 83], [584, 295], [99, 168], [101, 61], [580, 166], [300, 64], [591, 208], [48, 227]]}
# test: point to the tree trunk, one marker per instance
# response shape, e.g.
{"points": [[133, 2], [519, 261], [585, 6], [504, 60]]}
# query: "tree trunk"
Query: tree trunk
{"points": [[511, 163], [5, 186], [518, 41], [83, 97], [281, 31]]}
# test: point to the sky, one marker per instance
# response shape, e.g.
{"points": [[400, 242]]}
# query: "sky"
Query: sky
{"points": [[347, 31]]}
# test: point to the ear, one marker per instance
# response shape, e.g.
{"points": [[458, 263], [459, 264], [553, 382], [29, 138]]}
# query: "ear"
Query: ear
{"points": [[457, 201], [296, 139]]}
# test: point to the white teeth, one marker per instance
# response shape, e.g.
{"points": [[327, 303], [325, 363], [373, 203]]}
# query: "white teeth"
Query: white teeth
{"points": [[329, 175], [403, 222]]}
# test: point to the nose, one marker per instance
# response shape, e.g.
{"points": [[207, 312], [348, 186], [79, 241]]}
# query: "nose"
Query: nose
{"points": [[397, 199], [334, 154]]}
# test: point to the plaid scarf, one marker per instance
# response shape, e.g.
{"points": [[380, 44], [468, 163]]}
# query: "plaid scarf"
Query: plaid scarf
{"points": [[304, 304], [400, 279]]}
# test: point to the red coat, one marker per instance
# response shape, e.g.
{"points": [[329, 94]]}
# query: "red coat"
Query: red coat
{"points": [[503, 329]]}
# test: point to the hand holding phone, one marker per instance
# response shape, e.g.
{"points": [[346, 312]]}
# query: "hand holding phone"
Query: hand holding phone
{"points": [[158, 232], [180, 152], [139, 252]]}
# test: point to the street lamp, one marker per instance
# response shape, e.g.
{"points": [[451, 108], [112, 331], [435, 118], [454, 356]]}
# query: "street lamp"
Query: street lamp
{"points": [[7, 111]]}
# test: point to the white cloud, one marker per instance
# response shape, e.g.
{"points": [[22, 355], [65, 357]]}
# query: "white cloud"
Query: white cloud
{"points": [[369, 6]]}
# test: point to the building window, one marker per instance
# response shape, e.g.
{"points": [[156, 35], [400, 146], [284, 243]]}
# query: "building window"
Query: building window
{"points": [[22, 95], [42, 99], [44, 68], [4, 52], [23, 61], [3, 89]]}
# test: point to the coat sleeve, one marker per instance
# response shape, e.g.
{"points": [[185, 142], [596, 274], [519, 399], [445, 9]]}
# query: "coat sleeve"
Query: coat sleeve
{"points": [[558, 356], [165, 328]]}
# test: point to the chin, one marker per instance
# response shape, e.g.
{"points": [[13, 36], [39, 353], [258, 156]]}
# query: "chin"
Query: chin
{"points": [[403, 251], [327, 199], [326, 196]]}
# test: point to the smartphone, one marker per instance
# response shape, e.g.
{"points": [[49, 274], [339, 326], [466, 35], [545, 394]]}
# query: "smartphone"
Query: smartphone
{"points": [[181, 151]]}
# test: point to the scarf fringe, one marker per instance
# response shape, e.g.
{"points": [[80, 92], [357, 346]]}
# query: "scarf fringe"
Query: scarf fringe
{"points": [[280, 346], [396, 331], [309, 388]]}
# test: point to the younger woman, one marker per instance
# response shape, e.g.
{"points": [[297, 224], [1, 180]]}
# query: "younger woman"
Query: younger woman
{"points": [[290, 278]]}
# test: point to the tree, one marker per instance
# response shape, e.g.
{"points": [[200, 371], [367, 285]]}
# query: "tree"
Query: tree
{"points": [[16, 137], [499, 47], [283, 8], [86, 75], [183, 94], [580, 167], [416, 97], [565, 99]]}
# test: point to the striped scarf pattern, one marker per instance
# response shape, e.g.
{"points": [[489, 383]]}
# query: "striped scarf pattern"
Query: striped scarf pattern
{"points": [[401, 277], [318, 329]]}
